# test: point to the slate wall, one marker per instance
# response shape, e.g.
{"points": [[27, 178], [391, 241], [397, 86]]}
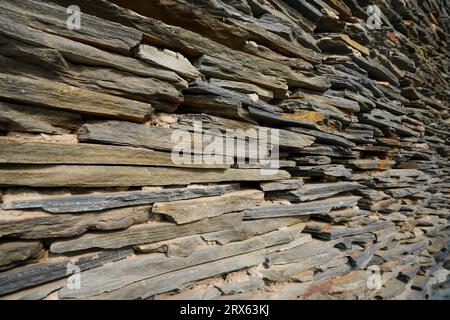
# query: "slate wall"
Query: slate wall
{"points": [[93, 205]]}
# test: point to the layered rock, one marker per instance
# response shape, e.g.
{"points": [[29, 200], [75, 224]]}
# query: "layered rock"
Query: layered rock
{"points": [[128, 161]]}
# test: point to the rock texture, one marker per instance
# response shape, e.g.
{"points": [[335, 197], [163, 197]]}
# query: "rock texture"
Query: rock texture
{"points": [[96, 205]]}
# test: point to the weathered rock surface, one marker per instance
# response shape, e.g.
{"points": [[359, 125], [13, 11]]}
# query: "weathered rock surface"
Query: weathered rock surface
{"points": [[56, 95], [185, 211], [15, 253], [39, 224], [97, 202], [307, 208], [145, 233], [316, 191], [108, 176], [35, 274]]}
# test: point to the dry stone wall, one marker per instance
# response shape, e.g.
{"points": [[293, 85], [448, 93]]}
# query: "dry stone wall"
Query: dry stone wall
{"points": [[93, 205]]}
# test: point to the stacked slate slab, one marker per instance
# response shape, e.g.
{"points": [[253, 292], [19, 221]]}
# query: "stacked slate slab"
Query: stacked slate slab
{"points": [[93, 205]]}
